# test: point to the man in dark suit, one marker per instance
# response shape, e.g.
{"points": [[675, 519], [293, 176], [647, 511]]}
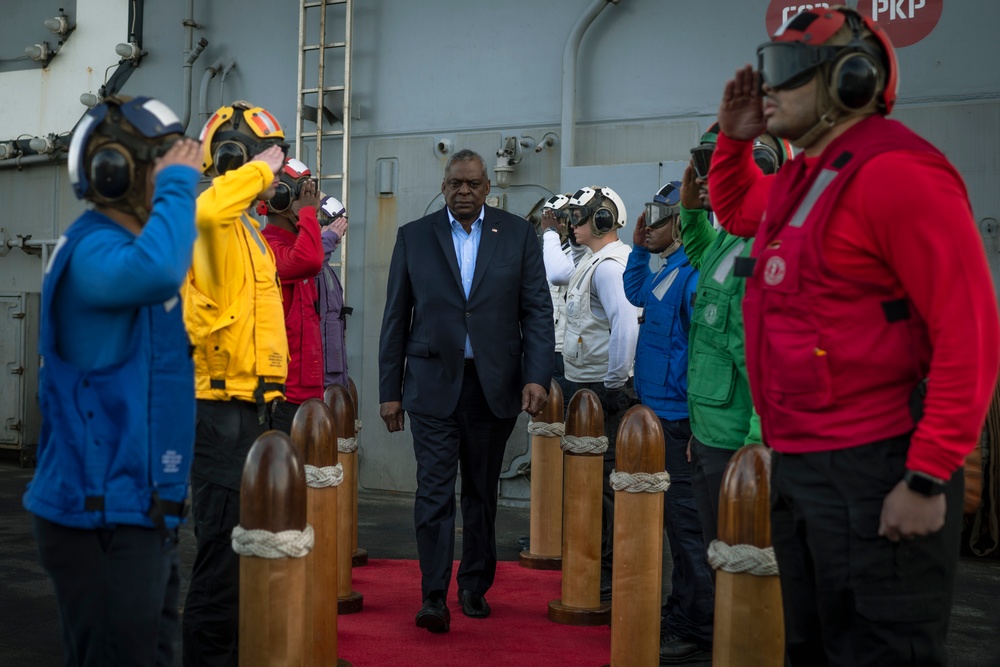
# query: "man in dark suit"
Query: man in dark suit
{"points": [[467, 343]]}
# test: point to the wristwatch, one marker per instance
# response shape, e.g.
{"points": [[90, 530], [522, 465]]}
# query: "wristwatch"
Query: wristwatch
{"points": [[923, 483]]}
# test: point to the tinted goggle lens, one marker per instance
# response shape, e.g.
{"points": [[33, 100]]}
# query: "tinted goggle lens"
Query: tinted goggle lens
{"points": [[579, 215], [790, 65], [229, 155], [701, 159], [657, 214], [766, 159]]}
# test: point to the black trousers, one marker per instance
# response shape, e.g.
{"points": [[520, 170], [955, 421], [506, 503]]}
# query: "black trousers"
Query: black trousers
{"points": [[708, 465], [472, 439], [282, 415], [224, 433], [851, 597], [689, 610], [117, 591]]}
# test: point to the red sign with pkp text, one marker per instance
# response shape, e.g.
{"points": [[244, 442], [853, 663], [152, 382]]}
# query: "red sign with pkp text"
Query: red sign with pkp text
{"points": [[905, 21]]}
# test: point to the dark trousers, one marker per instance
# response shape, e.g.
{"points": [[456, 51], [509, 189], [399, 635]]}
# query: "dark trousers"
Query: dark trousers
{"points": [[689, 609], [472, 439], [851, 597], [708, 465], [224, 433], [117, 592], [282, 415], [559, 375]]}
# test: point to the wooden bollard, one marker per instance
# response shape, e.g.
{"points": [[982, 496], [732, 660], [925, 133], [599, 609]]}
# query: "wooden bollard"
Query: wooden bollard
{"points": [[582, 490], [313, 434], [272, 590], [637, 573], [359, 557], [545, 536], [749, 625], [342, 407]]}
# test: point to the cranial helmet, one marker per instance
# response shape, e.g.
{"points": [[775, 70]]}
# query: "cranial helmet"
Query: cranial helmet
{"points": [[770, 153], [330, 208], [600, 206], [290, 180], [666, 205], [558, 205], [235, 134], [113, 147], [701, 155], [852, 53]]}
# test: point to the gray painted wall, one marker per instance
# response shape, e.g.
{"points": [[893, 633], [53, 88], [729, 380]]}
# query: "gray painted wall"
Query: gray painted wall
{"points": [[650, 76]]}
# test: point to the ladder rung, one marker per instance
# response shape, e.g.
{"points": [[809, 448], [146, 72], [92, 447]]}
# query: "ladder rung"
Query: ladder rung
{"points": [[326, 89], [309, 5], [332, 177], [309, 134], [331, 45]]}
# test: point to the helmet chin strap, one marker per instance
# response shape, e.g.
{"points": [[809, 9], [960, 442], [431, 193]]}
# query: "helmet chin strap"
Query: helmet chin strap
{"points": [[828, 115]]}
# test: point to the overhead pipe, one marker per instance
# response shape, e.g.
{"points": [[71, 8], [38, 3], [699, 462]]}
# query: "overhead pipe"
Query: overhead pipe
{"points": [[206, 78], [568, 126], [191, 54]]}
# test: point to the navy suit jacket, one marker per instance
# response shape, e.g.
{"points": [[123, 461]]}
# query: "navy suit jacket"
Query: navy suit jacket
{"points": [[508, 316]]}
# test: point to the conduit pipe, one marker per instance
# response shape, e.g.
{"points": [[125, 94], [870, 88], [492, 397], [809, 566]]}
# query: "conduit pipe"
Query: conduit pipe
{"points": [[190, 55], [28, 160], [570, 52], [206, 78]]}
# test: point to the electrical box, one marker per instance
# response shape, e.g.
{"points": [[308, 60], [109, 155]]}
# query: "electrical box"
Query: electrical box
{"points": [[20, 416]]}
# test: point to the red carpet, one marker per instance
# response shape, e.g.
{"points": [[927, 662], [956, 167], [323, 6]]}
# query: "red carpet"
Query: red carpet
{"points": [[517, 632]]}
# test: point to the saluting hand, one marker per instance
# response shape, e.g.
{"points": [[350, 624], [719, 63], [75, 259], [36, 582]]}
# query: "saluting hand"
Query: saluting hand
{"points": [[690, 190], [273, 156], [308, 196], [184, 152], [741, 113]]}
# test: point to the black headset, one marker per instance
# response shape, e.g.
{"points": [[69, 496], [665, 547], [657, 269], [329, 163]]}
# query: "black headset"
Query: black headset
{"points": [[603, 220], [857, 75], [113, 166]]}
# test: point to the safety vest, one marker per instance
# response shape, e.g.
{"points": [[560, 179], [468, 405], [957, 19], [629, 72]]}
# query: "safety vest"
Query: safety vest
{"points": [[240, 352], [718, 399], [116, 443], [832, 360], [585, 343], [661, 355]]}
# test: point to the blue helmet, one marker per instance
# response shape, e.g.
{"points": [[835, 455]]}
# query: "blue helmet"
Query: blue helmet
{"points": [[112, 147], [666, 205]]}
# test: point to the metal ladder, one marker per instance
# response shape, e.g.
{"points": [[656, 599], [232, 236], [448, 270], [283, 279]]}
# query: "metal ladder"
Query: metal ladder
{"points": [[316, 127]]}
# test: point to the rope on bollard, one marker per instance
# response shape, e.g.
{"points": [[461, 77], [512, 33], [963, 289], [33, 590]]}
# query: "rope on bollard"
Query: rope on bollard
{"points": [[265, 544], [357, 426], [742, 558], [545, 429], [347, 445], [584, 444], [321, 478], [640, 482]]}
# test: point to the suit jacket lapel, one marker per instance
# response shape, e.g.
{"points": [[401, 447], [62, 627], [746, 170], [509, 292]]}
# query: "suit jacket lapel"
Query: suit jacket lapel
{"points": [[442, 229], [487, 244]]}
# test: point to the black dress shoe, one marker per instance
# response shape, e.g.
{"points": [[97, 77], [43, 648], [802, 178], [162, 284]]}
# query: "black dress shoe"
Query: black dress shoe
{"points": [[474, 605], [434, 615], [676, 650]]}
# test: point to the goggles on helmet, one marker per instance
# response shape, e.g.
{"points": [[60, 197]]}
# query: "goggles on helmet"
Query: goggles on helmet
{"points": [[790, 65], [660, 214], [701, 159], [579, 215], [235, 149], [766, 158]]}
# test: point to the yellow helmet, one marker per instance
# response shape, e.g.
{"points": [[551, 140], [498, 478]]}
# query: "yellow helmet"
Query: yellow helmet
{"points": [[234, 134]]}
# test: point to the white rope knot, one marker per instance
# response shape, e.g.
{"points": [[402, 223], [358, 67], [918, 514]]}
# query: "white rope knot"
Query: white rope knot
{"points": [[347, 445], [321, 478], [640, 482], [265, 544], [547, 430], [742, 558], [584, 444], [357, 426]]}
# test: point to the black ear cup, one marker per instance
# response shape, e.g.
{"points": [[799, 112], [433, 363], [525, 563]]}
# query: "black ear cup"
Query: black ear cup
{"points": [[111, 173], [229, 155], [604, 220], [855, 81]]}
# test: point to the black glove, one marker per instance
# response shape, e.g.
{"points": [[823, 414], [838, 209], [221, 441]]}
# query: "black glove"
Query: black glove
{"points": [[613, 401]]}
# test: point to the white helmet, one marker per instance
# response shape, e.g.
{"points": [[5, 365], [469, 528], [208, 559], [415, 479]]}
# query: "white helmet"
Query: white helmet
{"points": [[599, 205], [556, 202], [331, 208]]}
